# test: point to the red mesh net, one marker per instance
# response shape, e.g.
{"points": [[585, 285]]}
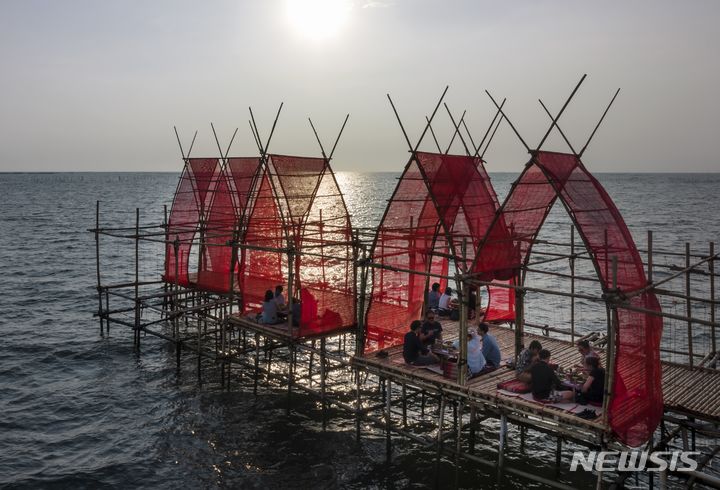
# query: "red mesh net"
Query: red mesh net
{"points": [[216, 258], [263, 269], [191, 201], [243, 175], [440, 202], [636, 406], [299, 203], [501, 303]]}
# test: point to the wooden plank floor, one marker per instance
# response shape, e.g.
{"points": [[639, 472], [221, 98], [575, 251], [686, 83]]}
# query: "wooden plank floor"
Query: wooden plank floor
{"points": [[691, 391], [280, 331], [484, 387]]}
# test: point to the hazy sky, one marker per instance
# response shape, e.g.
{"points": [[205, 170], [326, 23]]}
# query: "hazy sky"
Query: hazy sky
{"points": [[98, 85]]}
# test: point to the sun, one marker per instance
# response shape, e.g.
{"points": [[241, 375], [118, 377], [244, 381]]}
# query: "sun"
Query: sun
{"points": [[318, 19]]}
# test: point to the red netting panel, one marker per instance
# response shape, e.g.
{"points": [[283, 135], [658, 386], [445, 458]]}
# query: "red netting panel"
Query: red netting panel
{"points": [[501, 303], [637, 404], [214, 273], [241, 176], [408, 238], [191, 199], [512, 235], [296, 180], [636, 407], [464, 198], [598, 220], [263, 269], [326, 272]]}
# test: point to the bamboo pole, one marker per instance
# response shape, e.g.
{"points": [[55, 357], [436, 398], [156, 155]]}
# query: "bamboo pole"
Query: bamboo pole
{"points": [[165, 256], [572, 283], [711, 265], [256, 363], [519, 322], [323, 382], [358, 405], [388, 420], [97, 264], [290, 293], [650, 256], [463, 342], [176, 323], [612, 323], [137, 278], [688, 305]]}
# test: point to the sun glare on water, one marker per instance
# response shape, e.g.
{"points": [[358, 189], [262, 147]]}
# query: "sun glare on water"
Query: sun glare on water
{"points": [[318, 19]]}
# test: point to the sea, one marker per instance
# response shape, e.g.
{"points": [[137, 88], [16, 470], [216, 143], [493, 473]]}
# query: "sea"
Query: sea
{"points": [[83, 410]]}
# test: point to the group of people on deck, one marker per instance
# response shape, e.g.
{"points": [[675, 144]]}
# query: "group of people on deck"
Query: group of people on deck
{"points": [[483, 352], [444, 303], [483, 355], [534, 368], [275, 308]]}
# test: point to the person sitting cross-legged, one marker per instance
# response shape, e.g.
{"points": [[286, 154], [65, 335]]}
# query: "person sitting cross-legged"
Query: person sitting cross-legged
{"points": [[544, 383], [594, 386], [414, 352], [526, 359], [433, 297], [269, 315], [475, 359], [490, 347], [431, 329], [444, 307]]}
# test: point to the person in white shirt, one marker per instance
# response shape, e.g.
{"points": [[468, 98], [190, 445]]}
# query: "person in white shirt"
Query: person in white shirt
{"points": [[475, 359], [444, 303], [269, 309]]}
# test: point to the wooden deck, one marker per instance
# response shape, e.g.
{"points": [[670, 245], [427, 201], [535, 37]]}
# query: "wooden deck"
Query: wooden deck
{"points": [[483, 389], [281, 332], [694, 392]]}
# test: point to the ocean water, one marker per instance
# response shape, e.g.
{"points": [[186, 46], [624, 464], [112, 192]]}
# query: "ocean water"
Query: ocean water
{"points": [[81, 410]]}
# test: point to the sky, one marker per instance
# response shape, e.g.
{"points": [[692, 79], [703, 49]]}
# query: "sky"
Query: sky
{"points": [[98, 86]]}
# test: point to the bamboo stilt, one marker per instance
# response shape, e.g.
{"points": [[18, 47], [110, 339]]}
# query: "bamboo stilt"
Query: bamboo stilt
{"points": [[688, 306]]}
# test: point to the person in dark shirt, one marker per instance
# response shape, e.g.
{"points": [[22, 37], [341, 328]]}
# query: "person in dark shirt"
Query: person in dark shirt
{"points": [[527, 358], [414, 352], [544, 381], [433, 297], [431, 329], [593, 388]]}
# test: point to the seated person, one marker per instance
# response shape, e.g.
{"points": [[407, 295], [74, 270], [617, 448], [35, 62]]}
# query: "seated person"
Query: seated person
{"points": [[280, 299], [431, 329], [490, 348], [472, 303], [544, 382], [594, 386], [585, 351], [433, 297], [475, 358], [414, 352], [269, 314], [444, 302], [526, 359]]}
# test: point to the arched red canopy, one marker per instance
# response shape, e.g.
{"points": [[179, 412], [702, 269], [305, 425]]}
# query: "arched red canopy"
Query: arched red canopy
{"points": [[440, 202], [288, 203], [636, 403], [192, 200]]}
